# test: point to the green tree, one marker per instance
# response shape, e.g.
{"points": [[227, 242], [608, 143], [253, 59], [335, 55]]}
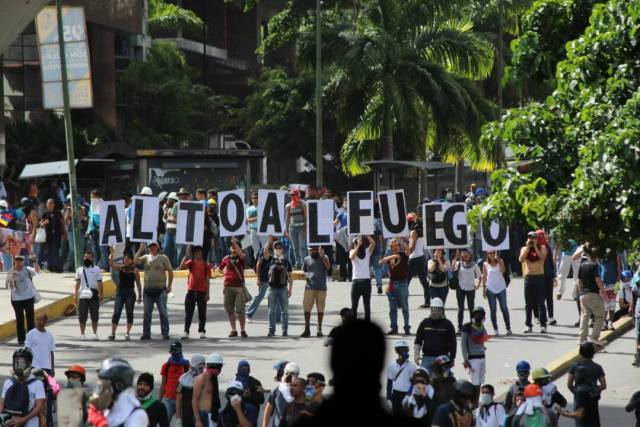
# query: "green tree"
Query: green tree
{"points": [[165, 108], [165, 16]]}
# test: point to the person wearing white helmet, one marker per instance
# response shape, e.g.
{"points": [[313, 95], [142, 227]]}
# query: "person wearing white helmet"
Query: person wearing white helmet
{"points": [[399, 374], [146, 191], [206, 396], [280, 398], [435, 337]]}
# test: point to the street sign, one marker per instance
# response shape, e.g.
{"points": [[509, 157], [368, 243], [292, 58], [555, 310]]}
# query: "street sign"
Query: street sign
{"points": [[76, 55]]}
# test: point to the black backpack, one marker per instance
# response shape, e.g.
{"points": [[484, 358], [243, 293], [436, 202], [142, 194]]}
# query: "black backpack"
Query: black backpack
{"points": [[278, 274], [16, 400]]}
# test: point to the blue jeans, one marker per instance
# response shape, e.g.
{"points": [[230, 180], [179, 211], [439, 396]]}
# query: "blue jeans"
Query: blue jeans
{"points": [[427, 363], [169, 247], [298, 239], [441, 293], [377, 269], [170, 404], [399, 298], [278, 300], [255, 302], [161, 302], [501, 297]]}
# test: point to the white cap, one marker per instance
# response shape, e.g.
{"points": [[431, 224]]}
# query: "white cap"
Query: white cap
{"points": [[292, 368], [4, 204], [172, 196], [437, 303], [235, 384], [401, 343], [215, 358], [146, 191]]}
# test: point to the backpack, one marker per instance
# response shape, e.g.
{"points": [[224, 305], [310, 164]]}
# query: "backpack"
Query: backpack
{"points": [[278, 274], [16, 400]]}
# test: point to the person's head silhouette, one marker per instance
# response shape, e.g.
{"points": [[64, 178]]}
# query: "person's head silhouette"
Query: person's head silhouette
{"points": [[357, 357]]}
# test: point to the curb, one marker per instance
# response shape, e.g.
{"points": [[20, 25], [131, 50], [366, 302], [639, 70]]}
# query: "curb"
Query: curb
{"points": [[57, 309]]}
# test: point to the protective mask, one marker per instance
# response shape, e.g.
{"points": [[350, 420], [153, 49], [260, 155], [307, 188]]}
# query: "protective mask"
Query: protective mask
{"points": [[74, 384], [279, 253], [486, 399], [176, 355], [478, 320], [87, 262], [524, 377], [21, 367], [102, 396], [315, 255], [197, 370], [213, 371], [437, 313], [309, 391], [404, 355]]}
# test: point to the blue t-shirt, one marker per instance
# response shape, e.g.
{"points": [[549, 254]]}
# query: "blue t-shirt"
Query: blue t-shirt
{"points": [[252, 212], [608, 271], [343, 218]]}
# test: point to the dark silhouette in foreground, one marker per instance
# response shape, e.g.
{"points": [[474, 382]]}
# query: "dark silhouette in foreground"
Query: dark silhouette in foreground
{"points": [[357, 358]]}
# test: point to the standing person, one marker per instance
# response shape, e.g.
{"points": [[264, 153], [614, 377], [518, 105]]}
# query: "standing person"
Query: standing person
{"points": [[100, 252], [532, 257], [472, 343], [438, 268], [183, 195], [252, 220], [88, 294], [586, 411], [171, 372], [54, 226], [532, 410], [418, 404], [469, 277], [279, 294], [171, 222], [342, 256], [315, 388], [567, 264], [280, 397], [634, 406], [380, 247], [184, 391], [42, 345], [24, 411], [417, 257], [609, 275], [158, 281], [20, 282], [262, 282], [594, 371], [589, 287], [233, 292], [399, 375], [156, 411], [238, 412], [125, 293], [206, 392], [523, 369], [458, 408], [296, 227], [253, 392], [299, 406], [489, 413], [435, 337], [494, 288], [398, 287], [550, 280], [197, 290], [361, 285], [315, 266]]}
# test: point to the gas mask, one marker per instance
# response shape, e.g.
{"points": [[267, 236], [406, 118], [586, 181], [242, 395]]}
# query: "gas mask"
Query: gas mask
{"points": [[21, 367], [102, 396], [437, 313]]}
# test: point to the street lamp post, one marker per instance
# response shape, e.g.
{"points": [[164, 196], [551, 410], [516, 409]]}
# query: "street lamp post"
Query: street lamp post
{"points": [[319, 160], [68, 131]]}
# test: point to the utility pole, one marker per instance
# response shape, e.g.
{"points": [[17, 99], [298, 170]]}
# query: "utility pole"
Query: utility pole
{"points": [[500, 158], [68, 131], [319, 159]]}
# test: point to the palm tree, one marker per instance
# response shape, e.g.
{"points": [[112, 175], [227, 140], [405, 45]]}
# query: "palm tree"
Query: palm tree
{"points": [[401, 69]]}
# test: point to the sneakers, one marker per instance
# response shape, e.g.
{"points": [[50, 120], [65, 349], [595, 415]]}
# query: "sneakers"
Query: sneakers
{"points": [[83, 337], [203, 335], [185, 336], [305, 334], [528, 330], [611, 325], [636, 360], [552, 322], [271, 334], [425, 306], [320, 334], [496, 332], [459, 331], [285, 334], [243, 334], [392, 332], [166, 337], [145, 338], [407, 332], [111, 337], [558, 297], [233, 334], [127, 337], [509, 332], [379, 289], [95, 337], [577, 324], [543, 330], [537, 320]]}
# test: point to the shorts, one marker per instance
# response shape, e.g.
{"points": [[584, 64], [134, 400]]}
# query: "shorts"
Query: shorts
{"points": [[609, 298], [88, 306], [234, 299], [312, 296], [478, 371]]}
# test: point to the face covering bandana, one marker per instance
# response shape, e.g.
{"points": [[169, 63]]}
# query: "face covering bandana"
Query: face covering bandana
{"points": [[315, 255], [87, 262], [213, 371], [102, 396], [309, 391], [197, 370], [523, 377]]}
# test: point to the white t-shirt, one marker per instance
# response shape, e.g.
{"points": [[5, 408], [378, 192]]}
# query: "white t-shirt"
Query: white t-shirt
{"points": [[403, 382], [93, 273], [361, 266], [41, 345], [495, 278], [492, 416], [467, 275], [418, 251], [36, 392]]}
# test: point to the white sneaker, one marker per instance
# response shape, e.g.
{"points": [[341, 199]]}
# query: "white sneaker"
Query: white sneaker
{"points": [[83, 337], [203, 335], [185, 336], [543, 330], [95, 337], [127, 337], [496, 332], [528, 330], [537, 321]]}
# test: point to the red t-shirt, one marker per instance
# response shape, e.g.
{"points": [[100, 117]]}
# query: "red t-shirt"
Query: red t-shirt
{"points": [[172, 373], [199, 270], [230, 277]]}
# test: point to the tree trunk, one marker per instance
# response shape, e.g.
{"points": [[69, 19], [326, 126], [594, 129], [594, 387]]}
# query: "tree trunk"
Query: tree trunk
{"points": [[459, 176]]}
